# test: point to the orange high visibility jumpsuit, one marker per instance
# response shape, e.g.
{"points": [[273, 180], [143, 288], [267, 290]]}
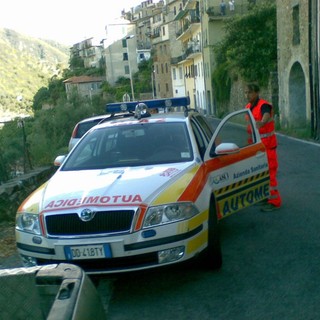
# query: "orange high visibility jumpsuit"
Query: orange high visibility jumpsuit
{"points": [[269, 139]]}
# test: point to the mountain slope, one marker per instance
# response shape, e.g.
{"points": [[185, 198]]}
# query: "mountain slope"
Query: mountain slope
{"points": [[26, 65]]}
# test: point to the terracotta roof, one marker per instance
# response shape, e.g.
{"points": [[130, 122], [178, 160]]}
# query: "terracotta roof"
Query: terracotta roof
{"points": [[83, 79]]}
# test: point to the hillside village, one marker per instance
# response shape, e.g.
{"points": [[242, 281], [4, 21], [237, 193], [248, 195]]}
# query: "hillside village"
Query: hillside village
{"points": [[161, 49], [180, 36]]}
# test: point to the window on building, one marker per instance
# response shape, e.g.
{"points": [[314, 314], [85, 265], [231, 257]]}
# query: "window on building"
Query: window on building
{"points": [[162, 70], [124, 43], [157, 69], [126, 70], [174, 74], [174, 10], [180, 73], [163, 30], [125, 56], [167, 87], [296, 25], [141, 57], [167, 69], [192, 70]]}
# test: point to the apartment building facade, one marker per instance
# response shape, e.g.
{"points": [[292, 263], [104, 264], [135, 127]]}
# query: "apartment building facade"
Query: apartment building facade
{"points": [[128, 42], [161, 45], [182, 34], [188, 33], [91, 54]]}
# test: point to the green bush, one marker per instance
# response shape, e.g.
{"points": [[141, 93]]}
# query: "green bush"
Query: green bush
{"points": [[249, 49]]}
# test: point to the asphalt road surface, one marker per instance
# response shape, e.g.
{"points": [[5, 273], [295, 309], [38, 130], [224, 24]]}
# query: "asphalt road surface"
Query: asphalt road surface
{"points": [[271, 261]]}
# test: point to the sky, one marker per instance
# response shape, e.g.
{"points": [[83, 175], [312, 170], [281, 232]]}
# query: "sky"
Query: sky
{"points": [[65, 21]]}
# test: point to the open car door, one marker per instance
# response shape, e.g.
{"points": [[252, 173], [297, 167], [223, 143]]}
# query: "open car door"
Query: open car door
{"points": [[238, 163]]}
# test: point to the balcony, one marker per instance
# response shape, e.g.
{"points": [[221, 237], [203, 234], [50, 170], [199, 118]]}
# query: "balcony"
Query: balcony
{"points": [[189, 52], [190, 24], [193, 50], [214, 12], [155, 34], [143, 45], [178, 60]]}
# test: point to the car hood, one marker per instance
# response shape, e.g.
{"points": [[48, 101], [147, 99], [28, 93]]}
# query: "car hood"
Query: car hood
{"points": [[112, 187]]}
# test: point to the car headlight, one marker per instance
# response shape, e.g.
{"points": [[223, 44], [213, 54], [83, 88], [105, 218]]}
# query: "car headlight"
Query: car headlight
{"points": [[28, 222], [169, 213]]}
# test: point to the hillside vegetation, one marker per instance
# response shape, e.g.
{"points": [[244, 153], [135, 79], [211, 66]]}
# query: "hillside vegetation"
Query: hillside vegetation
{"points": [[32, 73], [26, 65]]}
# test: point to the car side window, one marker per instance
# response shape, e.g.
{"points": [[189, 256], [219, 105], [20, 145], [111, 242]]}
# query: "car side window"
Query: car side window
{"points": [[201, 142], [204, 125], [239, 130]]}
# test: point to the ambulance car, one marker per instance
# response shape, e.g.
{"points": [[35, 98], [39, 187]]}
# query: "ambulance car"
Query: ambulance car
{"points": [[145, 190]]}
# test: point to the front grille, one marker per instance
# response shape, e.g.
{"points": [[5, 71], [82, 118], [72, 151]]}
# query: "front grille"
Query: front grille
{"points": [[103, 222]]}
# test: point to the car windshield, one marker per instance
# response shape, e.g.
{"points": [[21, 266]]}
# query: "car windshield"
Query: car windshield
{"points": [[131, 145]]}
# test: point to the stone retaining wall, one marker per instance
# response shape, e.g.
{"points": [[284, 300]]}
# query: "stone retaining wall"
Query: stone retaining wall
{"points": [[15, 191]]}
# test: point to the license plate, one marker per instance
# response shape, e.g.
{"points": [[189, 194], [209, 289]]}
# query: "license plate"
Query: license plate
{"points": [[88, 252]]}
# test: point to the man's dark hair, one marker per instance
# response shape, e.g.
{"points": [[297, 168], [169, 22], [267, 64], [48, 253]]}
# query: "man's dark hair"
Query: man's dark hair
{"points": [[253, 87]]}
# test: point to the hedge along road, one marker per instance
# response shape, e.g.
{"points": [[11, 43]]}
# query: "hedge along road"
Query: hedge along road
{"points": [[271, 261]]}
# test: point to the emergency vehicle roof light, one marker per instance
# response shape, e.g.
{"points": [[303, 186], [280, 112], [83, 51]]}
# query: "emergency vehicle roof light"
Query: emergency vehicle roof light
{"points": [[141, 111], [130, 106]]}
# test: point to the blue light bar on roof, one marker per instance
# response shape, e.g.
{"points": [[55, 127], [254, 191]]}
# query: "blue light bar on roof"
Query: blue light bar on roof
{"points": [[151, 104]]}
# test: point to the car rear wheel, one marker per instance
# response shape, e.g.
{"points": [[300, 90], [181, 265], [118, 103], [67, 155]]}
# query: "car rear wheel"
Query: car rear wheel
{"points": [[212, 256]]}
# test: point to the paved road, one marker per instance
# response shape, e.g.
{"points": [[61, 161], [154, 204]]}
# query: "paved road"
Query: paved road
{"points": [[271, 264]]}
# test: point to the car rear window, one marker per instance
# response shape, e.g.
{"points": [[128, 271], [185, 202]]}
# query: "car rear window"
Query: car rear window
{"points": [[83, 127]]}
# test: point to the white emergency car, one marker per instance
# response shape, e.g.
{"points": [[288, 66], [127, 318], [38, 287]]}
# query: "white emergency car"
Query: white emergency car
{"points": [[144, 191]]}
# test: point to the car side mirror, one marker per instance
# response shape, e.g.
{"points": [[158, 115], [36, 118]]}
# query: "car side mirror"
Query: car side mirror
{"points": [[59, 160], [226, 148]]}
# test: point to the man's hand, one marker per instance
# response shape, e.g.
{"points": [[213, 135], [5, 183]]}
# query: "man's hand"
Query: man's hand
{"points": [[260, 124], [266, 117]]}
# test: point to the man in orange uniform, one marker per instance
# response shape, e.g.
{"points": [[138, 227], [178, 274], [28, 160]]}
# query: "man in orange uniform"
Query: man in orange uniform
{"points": [[263, 113]]}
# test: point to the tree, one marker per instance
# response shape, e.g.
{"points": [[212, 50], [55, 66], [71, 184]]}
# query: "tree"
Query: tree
{"points": [[12, 149], [76, 62], [40, 97], [249, 48], [142, 78]]}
